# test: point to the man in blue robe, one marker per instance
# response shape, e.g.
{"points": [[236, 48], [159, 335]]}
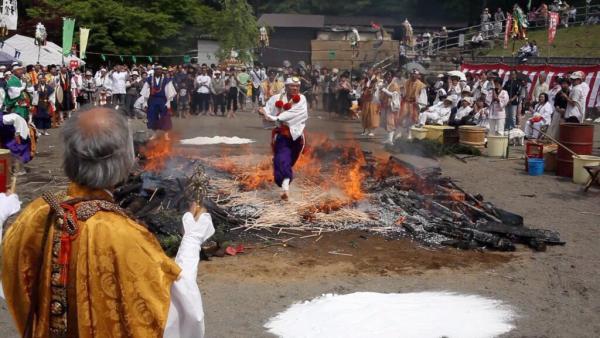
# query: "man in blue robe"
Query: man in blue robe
{"points": [[158, 92]]}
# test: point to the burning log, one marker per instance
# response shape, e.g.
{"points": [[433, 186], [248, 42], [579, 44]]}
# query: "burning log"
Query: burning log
{"points": [[523, 233], [344, 188]]}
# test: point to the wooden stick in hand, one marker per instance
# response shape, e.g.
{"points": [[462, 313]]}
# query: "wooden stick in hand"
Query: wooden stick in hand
{"points": [[13, 186]]}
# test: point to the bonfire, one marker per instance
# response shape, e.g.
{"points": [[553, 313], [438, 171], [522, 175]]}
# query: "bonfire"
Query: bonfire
{"points": [[337, 187]]}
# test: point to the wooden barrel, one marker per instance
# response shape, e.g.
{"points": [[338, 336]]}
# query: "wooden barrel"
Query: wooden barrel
{"points": [[4, 169], [451, 136], [472, 136], [577, 137], [418, 133]]}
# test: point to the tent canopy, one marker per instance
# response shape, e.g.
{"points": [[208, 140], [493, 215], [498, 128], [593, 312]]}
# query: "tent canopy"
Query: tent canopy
{"points": [[50, 54], [7, 59]]}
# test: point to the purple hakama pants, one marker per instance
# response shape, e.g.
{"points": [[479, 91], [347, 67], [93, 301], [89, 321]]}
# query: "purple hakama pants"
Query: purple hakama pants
{"points": [[286, 153], [158, 114], [20, 151]]}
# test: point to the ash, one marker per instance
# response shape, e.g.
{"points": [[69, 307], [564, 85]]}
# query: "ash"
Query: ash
{"points": [[399, 201]]}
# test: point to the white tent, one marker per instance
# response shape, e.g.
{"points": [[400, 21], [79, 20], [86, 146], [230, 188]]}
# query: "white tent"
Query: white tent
{"points": [[50, 54]]}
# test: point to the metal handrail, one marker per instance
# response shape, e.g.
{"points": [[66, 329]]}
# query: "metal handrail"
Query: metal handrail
{"points": [[583, 13]]}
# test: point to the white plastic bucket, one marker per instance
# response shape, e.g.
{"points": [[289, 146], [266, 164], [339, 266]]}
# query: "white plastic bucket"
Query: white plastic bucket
{"points": [[580, 175], [496, 145]]}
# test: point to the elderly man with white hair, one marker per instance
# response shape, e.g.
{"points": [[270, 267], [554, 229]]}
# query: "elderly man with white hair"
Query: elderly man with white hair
{"points": [[75, 263], [287, 114]]}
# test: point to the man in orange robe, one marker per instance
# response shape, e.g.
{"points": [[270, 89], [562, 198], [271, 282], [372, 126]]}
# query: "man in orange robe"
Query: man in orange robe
{"points": [[75, 265], [414, 99]]}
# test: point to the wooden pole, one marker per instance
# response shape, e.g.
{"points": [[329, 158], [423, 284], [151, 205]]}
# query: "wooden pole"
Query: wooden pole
{"points": [[555, 141]]}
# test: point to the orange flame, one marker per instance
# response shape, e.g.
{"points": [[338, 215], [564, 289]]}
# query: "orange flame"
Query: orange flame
{"points": [[321, 159], [158, 150], [256, 177], [327, 207]]}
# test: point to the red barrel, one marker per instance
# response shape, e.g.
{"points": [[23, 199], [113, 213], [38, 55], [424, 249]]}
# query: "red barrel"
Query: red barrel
{"points": [[577, 137], [4, 169], [533, 150]]}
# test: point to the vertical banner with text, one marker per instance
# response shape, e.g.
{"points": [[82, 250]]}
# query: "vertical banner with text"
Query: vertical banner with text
{"points": [[68, 29], [553, 21], [84, 34], [508, 29]]}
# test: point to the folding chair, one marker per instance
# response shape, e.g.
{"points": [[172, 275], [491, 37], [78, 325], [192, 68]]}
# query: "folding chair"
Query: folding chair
{"points": [[594, 171]]}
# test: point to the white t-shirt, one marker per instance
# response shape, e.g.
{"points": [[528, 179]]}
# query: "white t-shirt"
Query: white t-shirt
{"points": [[203, 82], [576, 109], [119, 82], [462, 112]]}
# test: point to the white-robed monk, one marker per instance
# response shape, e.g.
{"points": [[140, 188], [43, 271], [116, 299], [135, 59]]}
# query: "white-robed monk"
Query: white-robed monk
{"points": [[466, 107], [542, 115], [287, 113], [437, 114], [497, 99]]}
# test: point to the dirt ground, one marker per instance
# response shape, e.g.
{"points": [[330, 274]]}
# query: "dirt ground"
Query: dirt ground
{"points": [[554, 293]]}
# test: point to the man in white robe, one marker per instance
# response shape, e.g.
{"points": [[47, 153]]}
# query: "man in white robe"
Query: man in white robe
{"points": [[288, 113], [437, 114]]}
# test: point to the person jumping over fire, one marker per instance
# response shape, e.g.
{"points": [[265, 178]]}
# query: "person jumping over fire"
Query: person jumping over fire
{"points": [[286, 114]]}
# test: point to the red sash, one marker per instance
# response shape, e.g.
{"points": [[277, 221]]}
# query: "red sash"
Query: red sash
{"points": [[282, 130]]}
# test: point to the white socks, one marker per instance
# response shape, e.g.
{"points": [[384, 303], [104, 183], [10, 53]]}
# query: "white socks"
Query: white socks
{"points": [[285, 185]]}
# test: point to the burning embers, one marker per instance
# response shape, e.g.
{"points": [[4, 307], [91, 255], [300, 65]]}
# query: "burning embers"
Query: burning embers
{"points": [[158, 151], [338, 186], [323, 163]]}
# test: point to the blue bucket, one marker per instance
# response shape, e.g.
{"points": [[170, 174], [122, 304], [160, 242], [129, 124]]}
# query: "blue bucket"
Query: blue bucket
{"points": [[536, 166]]}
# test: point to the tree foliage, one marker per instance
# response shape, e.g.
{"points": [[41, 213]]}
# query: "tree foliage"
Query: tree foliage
{"points": [[237, 29], [130, 27]]}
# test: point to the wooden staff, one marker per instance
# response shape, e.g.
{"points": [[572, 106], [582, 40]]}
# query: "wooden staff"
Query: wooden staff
{"points": [[13, 185], [554, 140]]}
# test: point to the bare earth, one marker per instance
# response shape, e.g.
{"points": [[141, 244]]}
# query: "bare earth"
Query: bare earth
{"points": [[555, 293]]}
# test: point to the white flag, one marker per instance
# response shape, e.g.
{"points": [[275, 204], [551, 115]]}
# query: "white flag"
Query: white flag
{"points": [[9, 14]]}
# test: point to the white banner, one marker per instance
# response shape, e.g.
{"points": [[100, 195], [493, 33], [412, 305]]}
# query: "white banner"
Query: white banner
{"points": [[9, 14]]}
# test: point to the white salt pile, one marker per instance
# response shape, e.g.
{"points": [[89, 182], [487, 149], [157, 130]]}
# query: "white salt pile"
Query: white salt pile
{"points": [[203, 140], [407, 315]]}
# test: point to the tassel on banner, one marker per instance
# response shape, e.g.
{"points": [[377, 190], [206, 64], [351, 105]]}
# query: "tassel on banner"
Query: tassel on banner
{"points": [[150, 59], [134, 59], [103, 57]]}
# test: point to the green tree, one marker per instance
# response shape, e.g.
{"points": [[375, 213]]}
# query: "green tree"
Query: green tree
{"points": [[236, 29], [131, 27]]}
